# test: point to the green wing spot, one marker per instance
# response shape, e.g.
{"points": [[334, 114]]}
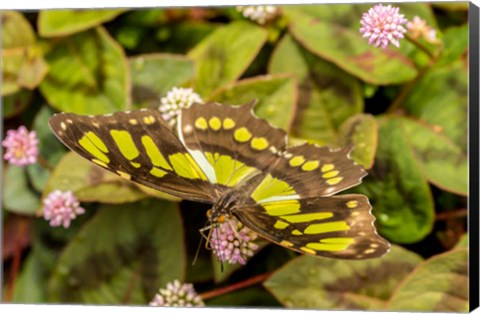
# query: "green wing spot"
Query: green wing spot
{"points": [[157, 172], [271, 187], [307, 217], [282, 207], [124, 141], [228, 171], [90, 146], [97, 141], [156, 157], [338, 240], [242, 135], [326, 227], [185, 166], [327, 247], [280, 225]]}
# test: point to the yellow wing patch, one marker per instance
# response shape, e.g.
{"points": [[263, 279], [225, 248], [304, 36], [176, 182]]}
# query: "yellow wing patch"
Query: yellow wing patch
{"points": [[184, 166], [326, 227], [228, 170], [272, 187], [125, 143], [242, 135], [156, 157], [95, 146]]}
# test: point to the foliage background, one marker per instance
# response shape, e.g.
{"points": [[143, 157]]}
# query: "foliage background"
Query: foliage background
{"points": [[405, 110]]}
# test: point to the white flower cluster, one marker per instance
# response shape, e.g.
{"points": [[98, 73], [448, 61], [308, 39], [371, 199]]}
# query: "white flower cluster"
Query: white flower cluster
{"points": [[258, 13], [177, 99], [177, 294]]}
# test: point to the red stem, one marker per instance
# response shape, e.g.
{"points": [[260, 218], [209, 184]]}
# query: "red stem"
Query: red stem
{"points": [[459, 213], [235, 286], [17, 258]]}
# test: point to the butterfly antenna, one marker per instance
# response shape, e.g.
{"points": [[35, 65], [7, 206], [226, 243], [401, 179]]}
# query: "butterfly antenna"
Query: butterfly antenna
{"points": [[197, 252]]}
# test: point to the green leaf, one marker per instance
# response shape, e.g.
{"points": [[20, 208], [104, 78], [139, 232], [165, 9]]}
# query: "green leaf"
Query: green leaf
{"points": [[440, 99], [31, 283], [88, 74], [455, 41], [399, 193], [349, 16], [53, 23], [122, 256], [327, 95], [50, 149], [225, 54], [276, 95], [361, 131], [156, 193], [442, 161], [22, 62], [15, 104], [451, 6], [90, 183], [347, 49], [335, 284], [154, 75], [463, 242], [253, 296], [17, 196], [440, 284], [181, 37]]}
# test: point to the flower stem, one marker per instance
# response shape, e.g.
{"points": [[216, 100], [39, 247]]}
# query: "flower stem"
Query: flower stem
{"points": [[405, 91], [236, 286], [421, 46], [44, 163], [17, 259], [459, 213]]}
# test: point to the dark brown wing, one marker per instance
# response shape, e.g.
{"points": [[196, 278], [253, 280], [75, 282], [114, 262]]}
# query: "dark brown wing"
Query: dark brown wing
{"points": [[336, 226], [230, 140], [138, 146]]}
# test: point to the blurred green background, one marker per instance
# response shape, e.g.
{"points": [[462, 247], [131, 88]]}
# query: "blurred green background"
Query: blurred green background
{"points": [[315, 76]]}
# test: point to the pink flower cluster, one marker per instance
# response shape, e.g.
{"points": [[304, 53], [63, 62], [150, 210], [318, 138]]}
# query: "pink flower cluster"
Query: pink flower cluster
{"points": [[418, 28], [22, 147], [233, 243], [382, 25], [61, 208]]}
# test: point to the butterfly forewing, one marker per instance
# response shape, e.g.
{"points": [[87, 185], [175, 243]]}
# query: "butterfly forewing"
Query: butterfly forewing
{"points": [[138, 146], [231, 141]]}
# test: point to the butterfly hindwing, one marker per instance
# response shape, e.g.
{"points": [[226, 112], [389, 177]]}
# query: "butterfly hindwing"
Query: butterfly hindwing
{"points": [[314, 171], [138, 146], [337, 226]]}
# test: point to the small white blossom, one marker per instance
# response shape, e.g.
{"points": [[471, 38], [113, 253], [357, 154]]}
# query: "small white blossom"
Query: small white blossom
{"points": [[258, 13], [177, 295], [177, 99]]}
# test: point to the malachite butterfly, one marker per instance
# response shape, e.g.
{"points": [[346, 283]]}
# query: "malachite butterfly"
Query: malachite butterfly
{"points": [[226, 156]]}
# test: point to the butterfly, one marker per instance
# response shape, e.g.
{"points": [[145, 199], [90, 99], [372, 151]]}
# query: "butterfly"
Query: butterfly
{"points": [[228, 157]]}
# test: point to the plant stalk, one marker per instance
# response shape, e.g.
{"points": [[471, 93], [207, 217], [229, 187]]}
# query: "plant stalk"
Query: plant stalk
{"points": [[236, 286]]}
